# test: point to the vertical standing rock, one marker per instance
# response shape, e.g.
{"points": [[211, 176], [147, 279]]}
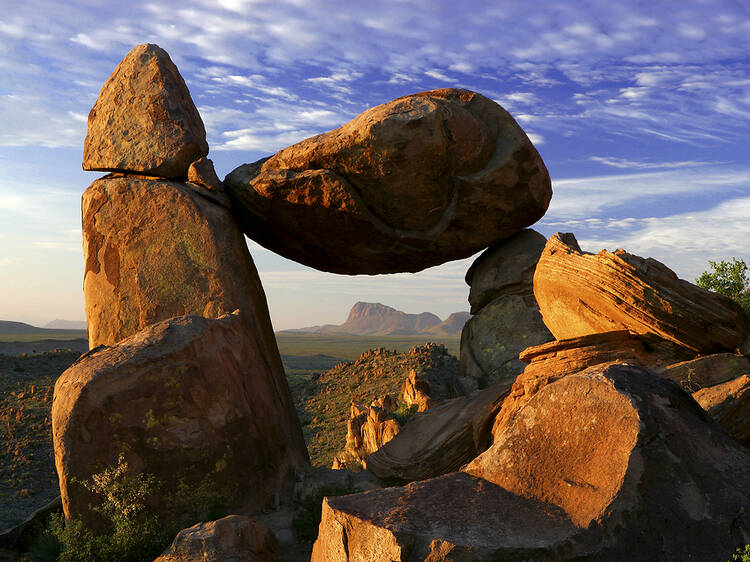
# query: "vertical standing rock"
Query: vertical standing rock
{"points": [[144, 120], [506, 317]]}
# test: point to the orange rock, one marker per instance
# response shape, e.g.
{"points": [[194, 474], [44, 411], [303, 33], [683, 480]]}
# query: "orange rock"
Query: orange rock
{"points": [[409, 184], [155, 249], [189, 400], [368, 429], [729, 404], [581, 293], [234, 538], [201, 172], [416, 391], [144, 120], [709, 370]]}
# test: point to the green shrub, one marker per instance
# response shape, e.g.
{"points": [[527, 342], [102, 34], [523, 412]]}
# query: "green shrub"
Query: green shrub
{"points": [[309, 510], [404, 412], [729, 279], [742, 554]]}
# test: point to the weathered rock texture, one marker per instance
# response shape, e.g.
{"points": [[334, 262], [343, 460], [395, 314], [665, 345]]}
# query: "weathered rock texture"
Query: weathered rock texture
{"points": [[552, 361], [440, 440], [506, 316], [629, 456], [507, 268], [581, 293], [416, 392], [144, 120], [189, 399], [613, 463], [729, 404], [369, 428], [708, 370], [409, 184], [201, 172], [234, 538], [155, 249]]}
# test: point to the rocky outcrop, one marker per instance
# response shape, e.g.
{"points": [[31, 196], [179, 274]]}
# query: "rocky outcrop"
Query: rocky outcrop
{"points": [[554, 360], [614, 463], [144, 120], [234, 538], [440, 440], [708, 370], [189, 400], [421, 180], [155, 249], [368, 429], [581, 293], [506, 316], [729, 404], [416, 392], [201, 172]]}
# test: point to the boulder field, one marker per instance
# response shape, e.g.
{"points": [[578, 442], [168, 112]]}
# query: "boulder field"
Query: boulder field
{"points": [[599, 411]]}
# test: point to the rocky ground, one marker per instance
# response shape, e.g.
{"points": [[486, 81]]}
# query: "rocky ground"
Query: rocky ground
{"points": [[27, 467]]}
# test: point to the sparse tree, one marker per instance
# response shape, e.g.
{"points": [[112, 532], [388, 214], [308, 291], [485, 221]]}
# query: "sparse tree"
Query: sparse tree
{"points": [[728, 278]]}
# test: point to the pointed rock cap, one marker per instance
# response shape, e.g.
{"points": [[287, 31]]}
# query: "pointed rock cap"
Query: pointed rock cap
{"points": [[144, 120]]}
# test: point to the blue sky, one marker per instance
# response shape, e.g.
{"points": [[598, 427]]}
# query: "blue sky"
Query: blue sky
{"points": [[641, 111]]}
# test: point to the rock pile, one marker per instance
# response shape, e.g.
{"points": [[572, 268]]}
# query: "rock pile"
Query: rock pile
{"points": [[592, 451]]}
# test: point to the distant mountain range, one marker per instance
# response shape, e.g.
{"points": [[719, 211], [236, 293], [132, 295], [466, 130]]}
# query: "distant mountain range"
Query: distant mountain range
{"points": [[375, 319], [10, 327]]}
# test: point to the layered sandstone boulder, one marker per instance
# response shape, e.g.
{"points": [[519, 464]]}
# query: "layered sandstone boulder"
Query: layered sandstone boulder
{"points": [[155, 249], [144, 120], [506, 318], [581, 293], [416, 182], [613, 463], [192, 401], [440, 440], [234, 538], [554, 360], [729, 404]]}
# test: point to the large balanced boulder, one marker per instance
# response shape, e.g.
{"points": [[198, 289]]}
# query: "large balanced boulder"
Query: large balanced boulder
{"points": [[155, 249], [192, 401], [581, 293], [506, 318], [613, 463], [144, 120], [416, 182]]}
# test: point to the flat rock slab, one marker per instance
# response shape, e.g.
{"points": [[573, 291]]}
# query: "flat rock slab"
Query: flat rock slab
{"points": [[424, 179], [144, 120], [581, 293], [454, 517]]}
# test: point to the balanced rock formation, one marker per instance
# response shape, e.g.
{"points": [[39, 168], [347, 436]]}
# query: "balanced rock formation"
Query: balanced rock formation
{"points": [[729, 404], [506, 316], [234, 538], [613, 463], [155, 249], [144, 120], [189, 400], [440, 440], [581, 293], [416, 182]]}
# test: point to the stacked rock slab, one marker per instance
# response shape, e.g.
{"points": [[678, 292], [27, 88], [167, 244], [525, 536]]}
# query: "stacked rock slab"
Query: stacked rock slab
{"points": [[581, 293], [188, 400], [613, 463], [506, 317], [409, 184], [157, 248]]}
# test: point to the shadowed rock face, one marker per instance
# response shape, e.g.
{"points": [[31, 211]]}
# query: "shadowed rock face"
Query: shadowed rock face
{"points": [[189, 399], [612, 463], [580, 293], [729, 404], [144, 120], [409, 184]]}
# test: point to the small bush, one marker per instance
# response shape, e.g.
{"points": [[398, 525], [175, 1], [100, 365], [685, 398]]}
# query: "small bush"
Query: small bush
{"points": [[742, 554], [404, 412]]}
